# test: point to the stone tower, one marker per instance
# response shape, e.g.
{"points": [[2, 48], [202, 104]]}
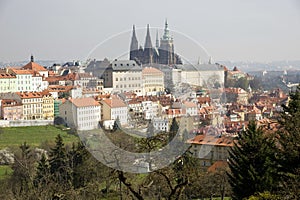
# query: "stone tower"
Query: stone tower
{"points": [[134, 46], [166, 49]]}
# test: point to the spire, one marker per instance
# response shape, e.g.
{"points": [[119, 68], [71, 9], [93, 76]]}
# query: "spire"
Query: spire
{"points": [[157, 40], [31, 58], [134, 42], [166, 35], [148, 43]]}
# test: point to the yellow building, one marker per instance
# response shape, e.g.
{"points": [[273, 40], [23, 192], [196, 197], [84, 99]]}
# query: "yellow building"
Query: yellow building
{"points": [[153, 81], [48, 105]]}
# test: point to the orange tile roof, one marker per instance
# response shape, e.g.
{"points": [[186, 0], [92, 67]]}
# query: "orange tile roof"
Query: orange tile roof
{"points": [[190, 104], [10, 103], [20, 71], [34, 66], [29, 95], [84, 102], [151, 70], [220, 164], [212, 140], [6, 75], [114, 102]]}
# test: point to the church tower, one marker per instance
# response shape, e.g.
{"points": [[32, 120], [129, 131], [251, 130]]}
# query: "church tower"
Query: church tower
{"points": [[166, 49], [148, 49], [134, 46]]}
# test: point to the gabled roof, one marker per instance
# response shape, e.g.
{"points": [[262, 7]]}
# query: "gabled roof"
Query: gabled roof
{"points": [[29, 95], [34, 66], [189, 104], [114, 102], [84, 102], [20, 71], [6, 75], [151, 70]]}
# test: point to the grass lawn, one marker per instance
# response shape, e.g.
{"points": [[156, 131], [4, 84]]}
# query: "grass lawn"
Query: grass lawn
{"points": [[5, 171], [32, 135]]}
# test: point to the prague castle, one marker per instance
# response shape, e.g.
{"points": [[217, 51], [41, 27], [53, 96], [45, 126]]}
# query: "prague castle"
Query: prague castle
{"points": [[162, 53]]}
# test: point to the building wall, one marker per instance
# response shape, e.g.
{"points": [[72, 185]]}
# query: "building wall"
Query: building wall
{"points": [[8, 85], [81, 118], [153, 83], [12, 112], [32, 108], [48, 107], [24, 82], [127, 81]]}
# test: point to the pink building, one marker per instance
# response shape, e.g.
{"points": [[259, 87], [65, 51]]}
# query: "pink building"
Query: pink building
{"points": [[11, 109]]}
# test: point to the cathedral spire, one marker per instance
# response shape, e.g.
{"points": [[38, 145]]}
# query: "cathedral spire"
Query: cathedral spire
{"points": [[134, 45], [148, 43], [166, 35], [134, 42], [157, 40]]}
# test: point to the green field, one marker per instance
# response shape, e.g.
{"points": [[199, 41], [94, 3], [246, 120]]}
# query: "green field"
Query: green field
{"points": [[5, 171], [32, 135]]}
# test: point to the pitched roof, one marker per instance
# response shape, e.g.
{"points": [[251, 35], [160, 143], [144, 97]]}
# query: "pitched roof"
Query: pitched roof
{"points": [[218, 165], [84, 102], [20, 71], [151, 70], [114, 102], [6, 75], [212, 140], [29, 95], [34, 66], [189, 104]]}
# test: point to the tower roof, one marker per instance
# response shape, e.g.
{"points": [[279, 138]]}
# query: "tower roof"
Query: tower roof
{"points": [[166, 35], [148, 43], [134, 42]]}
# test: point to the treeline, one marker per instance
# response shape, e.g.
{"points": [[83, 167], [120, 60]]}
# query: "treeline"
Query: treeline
{"points": [[73, 173]]}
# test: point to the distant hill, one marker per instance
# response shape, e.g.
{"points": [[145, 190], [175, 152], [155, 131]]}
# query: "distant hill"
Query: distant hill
{"points": [[260, 66]]}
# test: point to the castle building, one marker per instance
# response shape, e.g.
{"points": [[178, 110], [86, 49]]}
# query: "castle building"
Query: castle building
{"points": [[162, 53]]}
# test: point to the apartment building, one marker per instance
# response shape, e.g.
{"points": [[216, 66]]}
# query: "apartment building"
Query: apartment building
{"points": [[123, 76], [81, 113], [113, 108], [11, 109], [153, 81], [8, 83]]}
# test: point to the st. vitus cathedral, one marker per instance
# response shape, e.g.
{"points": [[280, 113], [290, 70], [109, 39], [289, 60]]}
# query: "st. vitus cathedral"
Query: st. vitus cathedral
{"points": [[162, 53]]}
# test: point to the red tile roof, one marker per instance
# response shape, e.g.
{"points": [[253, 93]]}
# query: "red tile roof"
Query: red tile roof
{"points": [[212, 140], [29, 95], [84, 102], [114, 102], [34, 66], [6, 75]]}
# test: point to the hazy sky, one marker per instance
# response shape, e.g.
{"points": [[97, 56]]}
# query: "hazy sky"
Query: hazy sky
{"points": [[237, 30]]}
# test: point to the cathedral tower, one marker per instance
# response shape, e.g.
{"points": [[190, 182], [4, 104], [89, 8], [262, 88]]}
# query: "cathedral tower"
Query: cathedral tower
{"points": [[134, 45], [166, 49]]}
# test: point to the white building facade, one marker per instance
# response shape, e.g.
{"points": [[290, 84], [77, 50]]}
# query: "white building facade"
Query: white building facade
{"points": [[81, 113]]}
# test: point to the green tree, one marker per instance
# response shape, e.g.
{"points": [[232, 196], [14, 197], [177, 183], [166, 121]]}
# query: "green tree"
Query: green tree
{"points": [[23, 170], [78, 156], [289, 151], [242, 83], [252, 163], [173, 129], [59, 165], [117, 125], [42, 172]]}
